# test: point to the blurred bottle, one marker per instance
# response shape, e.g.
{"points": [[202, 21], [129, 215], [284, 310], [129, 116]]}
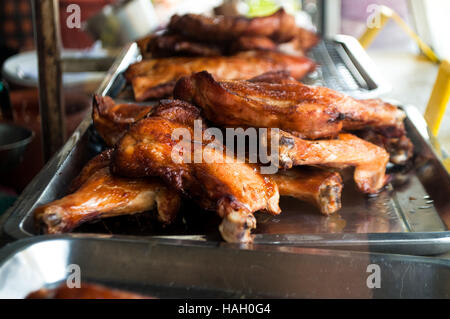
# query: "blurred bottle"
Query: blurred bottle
{"points": [[5, 102]]}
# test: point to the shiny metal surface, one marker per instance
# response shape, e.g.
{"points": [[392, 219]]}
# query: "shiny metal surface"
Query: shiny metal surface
{"points": [[344, 65], [411, 216], [165, 268]]}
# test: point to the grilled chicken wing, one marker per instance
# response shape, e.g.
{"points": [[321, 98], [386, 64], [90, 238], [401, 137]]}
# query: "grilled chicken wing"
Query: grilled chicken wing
{"points": [[306, 111], [368, 159], [348, 149], [279, 27], [112, 120], [99, 194], [234, 190], [156, 78], [319, 187]]}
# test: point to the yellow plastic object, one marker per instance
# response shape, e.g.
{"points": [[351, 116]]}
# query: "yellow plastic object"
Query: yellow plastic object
{"points": [[439, 98], [447, 164], [385, 14], [259, 8], [442, 155]]}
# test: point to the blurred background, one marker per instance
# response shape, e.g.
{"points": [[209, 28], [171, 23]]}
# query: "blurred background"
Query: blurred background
{"points": [[100, 28]]}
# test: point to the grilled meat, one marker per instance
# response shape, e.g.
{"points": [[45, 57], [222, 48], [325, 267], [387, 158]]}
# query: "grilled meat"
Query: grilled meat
{"points": [[156, 78], [217, 182], [280, 77], [251, 44], [368, 159], [112, 120], [306, 111], [99, 194], [400, 149], [319, 187], [304, 40], [170, 45], [173, 45], [280, 27]]}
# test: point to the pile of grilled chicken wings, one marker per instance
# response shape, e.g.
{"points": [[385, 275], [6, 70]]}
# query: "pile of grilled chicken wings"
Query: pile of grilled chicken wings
{"points": [[313, 133], [230, 48]]}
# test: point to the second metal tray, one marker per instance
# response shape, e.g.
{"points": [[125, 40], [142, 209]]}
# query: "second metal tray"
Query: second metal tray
{"points": [[171, 269]]}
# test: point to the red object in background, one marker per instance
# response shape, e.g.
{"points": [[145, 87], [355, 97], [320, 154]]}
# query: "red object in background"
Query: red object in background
{"points": [[76, 38]]}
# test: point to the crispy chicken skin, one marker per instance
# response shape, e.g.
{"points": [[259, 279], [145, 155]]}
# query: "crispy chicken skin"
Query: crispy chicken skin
{"points": [[248, 43], [368, 159], [281, 77], [173, 45], [317, 186], [97, 163], [234, 190], [306, 111], [86, 291], [169, 45], [156, 78], [112, 120], [279, 27], [99, 194]]}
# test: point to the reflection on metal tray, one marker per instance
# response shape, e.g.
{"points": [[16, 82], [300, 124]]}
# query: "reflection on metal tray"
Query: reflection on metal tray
{"points": [[343, 65], [410, 216], [170, 269]]}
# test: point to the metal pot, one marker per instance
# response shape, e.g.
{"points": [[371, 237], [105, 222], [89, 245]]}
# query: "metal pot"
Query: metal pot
{"points": [[13, 143]]}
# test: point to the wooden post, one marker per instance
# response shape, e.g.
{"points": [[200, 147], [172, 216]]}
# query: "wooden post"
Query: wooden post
{"points": [[51, 102]]}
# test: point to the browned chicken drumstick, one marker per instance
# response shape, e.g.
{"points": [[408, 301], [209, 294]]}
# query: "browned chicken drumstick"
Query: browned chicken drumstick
{"points": [[155, 78], [305, 111], [234, 190], [99, 194], [348, 150], [316, 186], [368, 159], [313, 185]]}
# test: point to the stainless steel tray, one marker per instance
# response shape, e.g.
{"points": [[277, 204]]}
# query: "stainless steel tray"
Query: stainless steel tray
{"points": [[411, 216], [344, 65], [171, 269]]}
